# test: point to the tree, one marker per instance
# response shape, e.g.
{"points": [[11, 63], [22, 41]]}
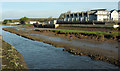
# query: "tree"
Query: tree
{"points": [[7, 21], [10, 21], [24, 20]]}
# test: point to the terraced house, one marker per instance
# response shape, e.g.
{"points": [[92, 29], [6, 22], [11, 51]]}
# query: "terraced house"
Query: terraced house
{"points": [[92, 15]]}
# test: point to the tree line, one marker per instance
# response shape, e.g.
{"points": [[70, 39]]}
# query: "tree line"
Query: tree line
{"points": [[25, 20]]}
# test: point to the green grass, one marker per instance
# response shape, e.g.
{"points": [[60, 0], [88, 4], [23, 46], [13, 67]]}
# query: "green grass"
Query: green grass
{"points": [[111, 33]]}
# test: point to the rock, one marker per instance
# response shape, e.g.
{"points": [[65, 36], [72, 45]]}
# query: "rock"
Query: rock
{"points": [[81, 53], [64, 49], [75, 53], [71, 50]]}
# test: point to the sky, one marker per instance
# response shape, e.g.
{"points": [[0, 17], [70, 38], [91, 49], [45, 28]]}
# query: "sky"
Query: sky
{"points": [[59, 0], [16, 10]]}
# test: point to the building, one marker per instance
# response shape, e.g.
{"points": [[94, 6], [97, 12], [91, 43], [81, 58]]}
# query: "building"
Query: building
{"points": [[13, 23], [53, 21], [119, 14], [16, 23], [114, 15], [92, 15], [101, 14], [32, 22]]}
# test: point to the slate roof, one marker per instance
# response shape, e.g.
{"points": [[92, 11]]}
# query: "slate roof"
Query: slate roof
{"points": [[99, 10]]}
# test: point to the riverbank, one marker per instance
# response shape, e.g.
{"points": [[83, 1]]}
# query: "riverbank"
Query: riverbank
{"points": [[95, 35], [95, 53], [11, 58], [105, 29], [19, 25]]}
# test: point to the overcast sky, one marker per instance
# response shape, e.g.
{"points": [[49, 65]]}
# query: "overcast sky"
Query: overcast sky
{"points": [[39, 9]]}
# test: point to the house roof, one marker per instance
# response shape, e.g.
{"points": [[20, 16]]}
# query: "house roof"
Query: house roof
{"points": [[99, 10], [112, 10], [118, 10]]}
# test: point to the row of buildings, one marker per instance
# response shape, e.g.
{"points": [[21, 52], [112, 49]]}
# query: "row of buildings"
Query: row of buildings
{"points": [[92, 15], [102, 15]]}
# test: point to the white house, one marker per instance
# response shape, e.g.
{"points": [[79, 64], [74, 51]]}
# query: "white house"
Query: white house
{"points": [[102, 15], [32, 22], [114, 15], [16, 23]]}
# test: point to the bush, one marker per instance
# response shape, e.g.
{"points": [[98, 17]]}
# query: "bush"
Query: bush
{"points": [[7, 21], [24, 20]]}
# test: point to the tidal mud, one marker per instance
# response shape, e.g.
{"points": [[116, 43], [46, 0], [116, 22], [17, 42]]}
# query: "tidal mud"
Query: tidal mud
{"points": [[96, 53]]}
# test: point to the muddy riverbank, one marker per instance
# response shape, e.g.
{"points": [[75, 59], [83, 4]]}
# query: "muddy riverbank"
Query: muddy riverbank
{"points": [[11, 58], [39, 55], [104, 54]]}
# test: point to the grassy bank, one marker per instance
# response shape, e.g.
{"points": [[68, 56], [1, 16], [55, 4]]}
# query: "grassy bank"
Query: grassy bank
{"points": [[88, 28], [11, 58], [108, 35]]}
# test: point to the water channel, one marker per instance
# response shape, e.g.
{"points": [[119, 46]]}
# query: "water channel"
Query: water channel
{"points": [[39, 55]]}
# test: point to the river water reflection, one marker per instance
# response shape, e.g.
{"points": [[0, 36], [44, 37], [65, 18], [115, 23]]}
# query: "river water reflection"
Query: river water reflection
{"points": [[39, 55]]}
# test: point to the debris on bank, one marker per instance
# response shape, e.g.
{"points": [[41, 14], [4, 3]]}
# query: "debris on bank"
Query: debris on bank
{"points": [[12, 59]]}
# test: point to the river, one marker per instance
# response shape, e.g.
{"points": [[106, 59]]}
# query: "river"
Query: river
{"points": [[39, 55]]}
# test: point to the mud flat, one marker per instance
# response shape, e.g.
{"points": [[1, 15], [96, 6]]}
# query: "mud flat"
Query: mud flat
{"points": [[107, 54], [11, 58]]}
